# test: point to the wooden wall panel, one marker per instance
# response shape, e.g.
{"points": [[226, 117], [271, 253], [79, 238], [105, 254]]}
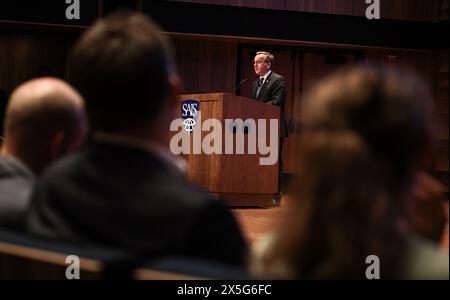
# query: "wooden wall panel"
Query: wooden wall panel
{"points": [[418, 10], [423, 63], [413, 10], [267, 4], [433, 67], [442, 112], [6, 64], [443, 10], [206, 66], [21, 56], [318, 65], [338, 7]]}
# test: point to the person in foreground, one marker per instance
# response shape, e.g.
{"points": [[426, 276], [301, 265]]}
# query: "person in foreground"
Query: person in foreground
{"points": [[45, 119], [367, 135], [126, 189]]}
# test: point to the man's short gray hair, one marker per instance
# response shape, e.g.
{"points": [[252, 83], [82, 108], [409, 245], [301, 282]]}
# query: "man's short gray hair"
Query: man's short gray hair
{"points": [[269, 57]]}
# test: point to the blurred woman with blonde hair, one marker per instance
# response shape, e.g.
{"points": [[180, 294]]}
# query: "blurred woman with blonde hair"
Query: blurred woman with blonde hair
{"points": [[367, 133]]}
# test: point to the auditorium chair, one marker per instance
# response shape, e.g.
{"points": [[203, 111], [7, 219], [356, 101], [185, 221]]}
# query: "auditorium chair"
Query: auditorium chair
{"points": [[24, 256]]}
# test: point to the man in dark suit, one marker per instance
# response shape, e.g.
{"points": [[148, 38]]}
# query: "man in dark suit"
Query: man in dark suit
{"points": [[127, 190], [45, 119], [270, 88]]}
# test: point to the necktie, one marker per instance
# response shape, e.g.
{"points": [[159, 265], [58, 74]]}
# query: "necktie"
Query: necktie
{"points": [[260, 84]]}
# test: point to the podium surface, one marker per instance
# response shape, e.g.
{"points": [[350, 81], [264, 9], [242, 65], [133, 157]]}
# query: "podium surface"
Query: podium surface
{"points": [[240, 179]]}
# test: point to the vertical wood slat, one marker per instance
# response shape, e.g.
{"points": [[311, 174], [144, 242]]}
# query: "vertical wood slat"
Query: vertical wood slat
{"points": [[442, 115], [206, 66], [413, 10], [433, 69], [21, 56], [443, 10]]}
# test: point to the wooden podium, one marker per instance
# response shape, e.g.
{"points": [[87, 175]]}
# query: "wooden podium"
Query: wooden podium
{"points": [[239, 179]]}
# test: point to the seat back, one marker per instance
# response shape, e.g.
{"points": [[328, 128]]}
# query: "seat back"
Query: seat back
{"points": [[25, 263], [24, 256]]}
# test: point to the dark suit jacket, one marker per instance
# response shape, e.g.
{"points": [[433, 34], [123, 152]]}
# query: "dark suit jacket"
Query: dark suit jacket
{"points": [[120, 196], [273, 92], [16, 182]]}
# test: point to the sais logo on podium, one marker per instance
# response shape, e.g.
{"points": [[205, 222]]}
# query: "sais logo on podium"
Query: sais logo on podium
{"points": [[189, 112]]}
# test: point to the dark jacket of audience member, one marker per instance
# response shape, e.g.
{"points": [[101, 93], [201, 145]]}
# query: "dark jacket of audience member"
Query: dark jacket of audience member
{"points": [[16, 182]]}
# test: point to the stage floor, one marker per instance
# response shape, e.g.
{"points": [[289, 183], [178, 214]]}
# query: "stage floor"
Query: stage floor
{"points": [[255, 222]]}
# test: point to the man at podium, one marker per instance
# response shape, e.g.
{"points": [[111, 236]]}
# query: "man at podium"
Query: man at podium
{"points": [[270, 88]]}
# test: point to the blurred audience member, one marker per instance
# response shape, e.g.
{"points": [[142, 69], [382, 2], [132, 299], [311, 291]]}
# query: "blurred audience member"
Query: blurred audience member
{"points": [[367, 137], [127, 189], [44, 120]]}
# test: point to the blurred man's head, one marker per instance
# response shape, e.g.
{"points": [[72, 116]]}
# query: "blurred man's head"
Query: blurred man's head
{"points": [[390, 109], [123, 68], [44, 120]]}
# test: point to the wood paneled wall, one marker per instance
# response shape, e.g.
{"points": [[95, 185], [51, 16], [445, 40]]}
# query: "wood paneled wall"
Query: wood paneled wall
{"points": [[212, 66], [424, 63], [442, 159], [206, 66], [414, 10], [22, 55], [443, 10], [433, 67]]}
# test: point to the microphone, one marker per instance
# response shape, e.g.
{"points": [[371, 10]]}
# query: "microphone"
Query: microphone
{"points": [[239, 85]]}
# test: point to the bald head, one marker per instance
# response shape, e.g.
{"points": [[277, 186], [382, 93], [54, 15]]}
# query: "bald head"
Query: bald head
{"points": [[44, 119]]}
